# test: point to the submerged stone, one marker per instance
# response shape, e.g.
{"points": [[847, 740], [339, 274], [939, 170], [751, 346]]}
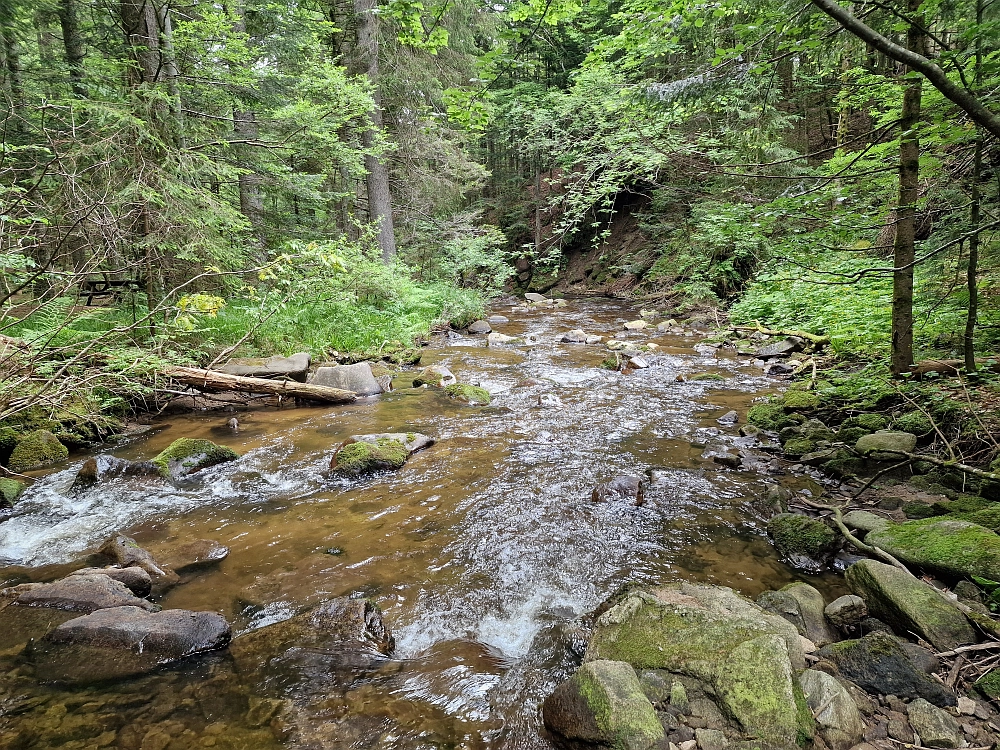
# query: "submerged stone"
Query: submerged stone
{"points": [[362, 457], [186, 456], [105, 467], [603, 704], [35, 450]]}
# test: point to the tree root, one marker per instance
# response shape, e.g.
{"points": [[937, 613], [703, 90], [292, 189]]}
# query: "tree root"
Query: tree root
{"points": [[949, 465], [838, 518]]}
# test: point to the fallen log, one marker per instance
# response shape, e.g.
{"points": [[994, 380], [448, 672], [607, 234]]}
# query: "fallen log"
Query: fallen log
{"points": [[213, 381], [815, 340]]}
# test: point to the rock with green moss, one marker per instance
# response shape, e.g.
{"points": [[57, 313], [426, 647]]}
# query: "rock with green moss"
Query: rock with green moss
{"points": [[748, 656], [914, 422], [916, 510], [800, 401], [711, 376], [943, 545], [867, 422], [358, 458], [908, 604], [801, 541], [851, 435], [10, 490], [816, 430], [186, 456], [886, 445], [771, 417], [8, 439], [989, 685], [35, 450], [843, 467], [603, 704], [468, 394], [799, 446]]}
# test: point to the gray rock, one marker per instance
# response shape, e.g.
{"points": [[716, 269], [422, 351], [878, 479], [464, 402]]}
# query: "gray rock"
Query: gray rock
{"points": [[500, 338], [837, 716], [846, 612], [104, 467], [636, 325], [863, 520], [712, 739], [729, 418], [603, 704], [576, 336], [878, 664], [480, 327], [536, 298], [619, 488], [778, 368], [294, 367], [936, 727], [126, 553], [594, 339], [783, 348], [909, 605], [811, 609], [77, 593], [125, 641], [886, 444], [784, 605], [357, 378], [437, 375], [638, 363], [497, 320], [137, 580]]}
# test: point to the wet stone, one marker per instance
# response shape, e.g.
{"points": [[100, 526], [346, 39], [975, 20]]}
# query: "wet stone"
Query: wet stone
{"points": [[480, 327], [629, 489], [136, 579], [78, 593]]}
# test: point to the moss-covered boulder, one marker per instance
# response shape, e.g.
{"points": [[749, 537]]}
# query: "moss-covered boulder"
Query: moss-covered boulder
{"points": [[867, 422], [10, 490], [908, 604], [355, 459], [771, 417], [886, 445], [851, 435], [748, 656], [186, 456], [468, 394], [801, 541], [914, 422], [35, 450], [603, 704], [989, 685], [943, 545], [799, 401], [798, 446]]}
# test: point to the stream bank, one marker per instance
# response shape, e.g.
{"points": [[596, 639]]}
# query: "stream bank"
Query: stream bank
{"points": [[485, 552]]}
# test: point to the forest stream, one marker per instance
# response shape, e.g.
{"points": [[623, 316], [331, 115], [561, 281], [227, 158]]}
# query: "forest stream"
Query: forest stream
{"points": [[484, 551]]}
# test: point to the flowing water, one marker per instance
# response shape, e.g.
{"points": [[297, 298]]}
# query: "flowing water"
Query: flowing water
{"points": [[483, 551]]}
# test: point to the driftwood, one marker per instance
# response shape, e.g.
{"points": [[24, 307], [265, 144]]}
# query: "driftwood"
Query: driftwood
{"points": [[213, 381], [816, 341]]}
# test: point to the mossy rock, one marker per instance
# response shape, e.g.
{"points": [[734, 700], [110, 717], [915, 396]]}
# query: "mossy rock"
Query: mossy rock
{"points": [[468, 394], [917, 510], [915, 422], [868, 422], [10, 490], [35, 450], [710, 376], [789, 433], [944, 545], [962, 504], [800, 401], [816, 430], [771, 417], [844, 467], [989, 685], [8, 439], [851, 435], [804, 542], [799, 446], [185, 456], [357, 459], [612, 362]]}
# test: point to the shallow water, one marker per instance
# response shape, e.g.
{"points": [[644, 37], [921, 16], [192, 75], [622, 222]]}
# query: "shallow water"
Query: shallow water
{"points": [[483, 551]]}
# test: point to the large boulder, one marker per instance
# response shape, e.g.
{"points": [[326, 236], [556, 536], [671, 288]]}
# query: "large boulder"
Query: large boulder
{"points": [[801, 541], [294, 367], [136, 580], [310, 649], [879, 664], [125, 641], [603, 704], [783, 348], [909, 605], [748, 656], [886, 445], [943, 545], [35, 450], [357, 378], [187, 456], [366, 454], [76, 593], [811, 610], [838, 720]]}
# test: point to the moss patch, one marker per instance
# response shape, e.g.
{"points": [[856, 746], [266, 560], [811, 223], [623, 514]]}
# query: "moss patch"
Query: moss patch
{"points": [[989, 685], [867, 422], [799, 446], [468, 394], [945, 545], [360, 458], [794, 534], [770, 417], [187, 455], [10, 489], [713, 376], [36, 449], [915, 422], [799, 400], [621, 710]]}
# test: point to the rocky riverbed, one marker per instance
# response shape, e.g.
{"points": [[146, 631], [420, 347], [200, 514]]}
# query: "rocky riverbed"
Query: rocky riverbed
{"points": [[557, 528]]}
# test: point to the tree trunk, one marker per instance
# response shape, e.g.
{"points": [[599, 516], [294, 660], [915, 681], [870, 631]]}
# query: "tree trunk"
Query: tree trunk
{"points": [[974, 216], [148, 35], [12, 64], [73, 46], [377, 179], [904, 252], [245, 129]]}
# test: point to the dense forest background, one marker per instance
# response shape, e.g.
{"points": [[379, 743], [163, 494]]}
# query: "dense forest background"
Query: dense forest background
{"points": [[267, 176]]}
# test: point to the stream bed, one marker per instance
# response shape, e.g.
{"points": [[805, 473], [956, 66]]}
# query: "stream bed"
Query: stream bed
{"points": [[483, 551]]}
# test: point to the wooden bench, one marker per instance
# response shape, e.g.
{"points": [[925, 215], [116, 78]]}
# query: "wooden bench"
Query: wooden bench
{"points": [[107, 287]]}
